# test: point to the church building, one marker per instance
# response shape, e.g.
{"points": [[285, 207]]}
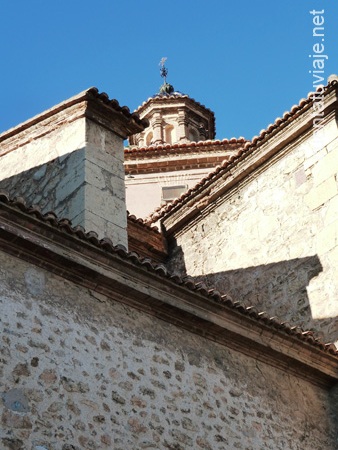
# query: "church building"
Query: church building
{"points": [[178, 293]]}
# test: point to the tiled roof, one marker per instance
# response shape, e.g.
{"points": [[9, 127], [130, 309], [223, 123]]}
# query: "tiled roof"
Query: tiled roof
{"points": [[142, 223], [114, 104], [184, 156], [106, 245], [174, 95], [89, 94], [186, 146], [145, 240], [248, 148]]}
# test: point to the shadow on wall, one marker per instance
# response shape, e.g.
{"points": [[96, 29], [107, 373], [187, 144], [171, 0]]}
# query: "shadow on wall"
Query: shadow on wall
{"points": [[333, 410], [279, 288], [49, 184]]}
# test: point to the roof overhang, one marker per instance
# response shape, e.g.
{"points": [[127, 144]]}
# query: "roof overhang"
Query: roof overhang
{"points": [[79, 257]]}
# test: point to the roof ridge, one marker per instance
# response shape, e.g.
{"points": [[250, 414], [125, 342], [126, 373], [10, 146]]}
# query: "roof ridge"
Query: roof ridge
{"points": [[105, 244]]}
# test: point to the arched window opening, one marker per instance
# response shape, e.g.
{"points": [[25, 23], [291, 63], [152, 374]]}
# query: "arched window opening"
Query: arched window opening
{"points": [[193, 135], [149, 138], [169, 134]]}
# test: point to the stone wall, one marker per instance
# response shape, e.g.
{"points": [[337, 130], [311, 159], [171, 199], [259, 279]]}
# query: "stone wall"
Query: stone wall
{"points": [[80, 371], [71, 164], [272, 240], [54, 186]]}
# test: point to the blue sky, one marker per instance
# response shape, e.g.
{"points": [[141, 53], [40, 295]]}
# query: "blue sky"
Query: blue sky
{"points": [[247, 61]]}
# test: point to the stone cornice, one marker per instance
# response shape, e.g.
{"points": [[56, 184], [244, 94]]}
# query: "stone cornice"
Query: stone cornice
{"points": [[121, 277], [90, 104]]}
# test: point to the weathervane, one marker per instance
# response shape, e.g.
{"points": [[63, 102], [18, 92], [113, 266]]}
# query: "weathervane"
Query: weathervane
{"points": [[163, 69], [166, 88]]}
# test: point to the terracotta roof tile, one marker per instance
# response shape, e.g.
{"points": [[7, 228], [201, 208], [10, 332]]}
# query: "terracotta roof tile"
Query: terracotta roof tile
{"points": [[141, 222], [160, 97], [89, 94], [114, 104], [106, 245], [248, 148], [186, 146]]}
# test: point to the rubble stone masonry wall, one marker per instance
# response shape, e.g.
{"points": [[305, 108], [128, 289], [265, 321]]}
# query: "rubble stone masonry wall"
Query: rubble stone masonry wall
{"points": [[272, 241], [80, 371]]}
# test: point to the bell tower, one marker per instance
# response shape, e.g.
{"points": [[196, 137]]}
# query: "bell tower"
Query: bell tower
{"points": [[174, 118]]}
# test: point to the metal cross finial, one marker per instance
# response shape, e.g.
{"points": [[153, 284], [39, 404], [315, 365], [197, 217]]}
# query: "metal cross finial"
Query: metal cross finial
{"points": [[163, 60], [163, 70], [166, 88]]}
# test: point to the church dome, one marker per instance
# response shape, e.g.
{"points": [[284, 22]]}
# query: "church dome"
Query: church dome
{"points": [[174, 118]]}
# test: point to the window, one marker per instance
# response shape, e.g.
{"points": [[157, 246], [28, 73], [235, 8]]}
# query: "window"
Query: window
{"points": [[193, 135], [169, 193], [149, 138], [169, 134]]}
